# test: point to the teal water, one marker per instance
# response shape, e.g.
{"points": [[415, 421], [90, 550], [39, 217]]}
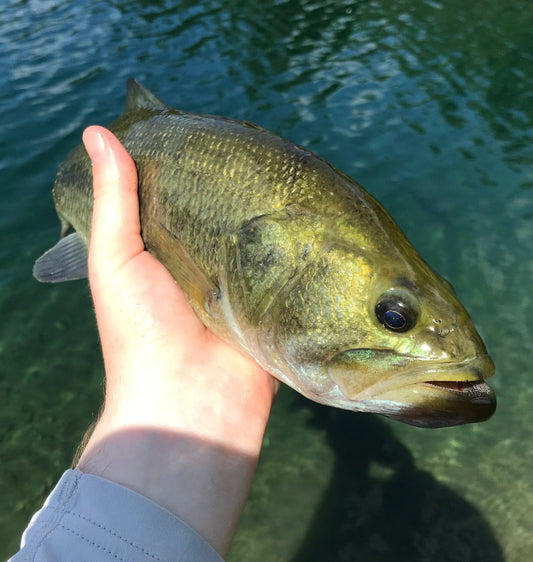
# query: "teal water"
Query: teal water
{"points": [[427, 104]]}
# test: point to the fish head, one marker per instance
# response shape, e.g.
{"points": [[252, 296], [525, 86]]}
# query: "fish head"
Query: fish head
{"points": [[418, 357]]}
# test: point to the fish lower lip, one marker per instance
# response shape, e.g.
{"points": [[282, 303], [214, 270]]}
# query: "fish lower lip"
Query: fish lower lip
{"points": [[441, 403]]}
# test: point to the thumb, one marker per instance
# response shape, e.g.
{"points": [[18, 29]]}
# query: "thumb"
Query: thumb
{"points": [[116, 229]]}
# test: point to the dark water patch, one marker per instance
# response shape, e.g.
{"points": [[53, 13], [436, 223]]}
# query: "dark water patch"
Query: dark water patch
{"points": [[379, 506], [366, 498]]}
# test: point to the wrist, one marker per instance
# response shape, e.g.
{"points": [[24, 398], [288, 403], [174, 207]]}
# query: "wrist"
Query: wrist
{"points": [[200, 480]]}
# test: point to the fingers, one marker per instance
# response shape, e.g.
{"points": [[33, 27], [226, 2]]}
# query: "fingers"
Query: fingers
{"points": [[115, 235]]}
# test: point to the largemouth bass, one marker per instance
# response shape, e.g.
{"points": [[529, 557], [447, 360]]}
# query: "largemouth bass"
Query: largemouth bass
{"points": [[291, 261]]}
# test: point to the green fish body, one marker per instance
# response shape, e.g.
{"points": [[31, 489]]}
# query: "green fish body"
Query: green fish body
{"points": [[291, 261]]}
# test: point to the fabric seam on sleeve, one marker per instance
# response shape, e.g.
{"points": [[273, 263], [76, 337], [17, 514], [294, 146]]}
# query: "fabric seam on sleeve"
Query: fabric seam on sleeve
{"points": [[116, 535], [91, 542]]}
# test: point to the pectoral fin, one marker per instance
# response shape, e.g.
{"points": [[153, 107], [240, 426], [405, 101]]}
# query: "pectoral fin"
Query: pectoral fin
{"points": [[66, 261], [169, 250]]}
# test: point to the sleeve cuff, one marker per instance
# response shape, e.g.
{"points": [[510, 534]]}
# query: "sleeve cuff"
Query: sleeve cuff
{"points": [[90, 518]]}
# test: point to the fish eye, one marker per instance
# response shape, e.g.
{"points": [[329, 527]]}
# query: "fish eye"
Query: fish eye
{"points": [[395, 313]]}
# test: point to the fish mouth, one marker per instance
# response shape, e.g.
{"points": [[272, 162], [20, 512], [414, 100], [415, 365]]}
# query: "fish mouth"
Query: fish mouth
{"points": [[423, 394], [440, 403], [473, 389]]}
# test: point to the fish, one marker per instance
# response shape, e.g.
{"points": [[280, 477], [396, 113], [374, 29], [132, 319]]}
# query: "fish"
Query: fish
{"points": [[289, 260]]}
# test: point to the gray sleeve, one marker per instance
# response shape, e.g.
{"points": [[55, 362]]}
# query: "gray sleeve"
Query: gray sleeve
{"points": [[87, 518]]}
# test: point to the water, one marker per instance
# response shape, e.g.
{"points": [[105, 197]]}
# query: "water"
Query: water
{"points": [[427, 104]]}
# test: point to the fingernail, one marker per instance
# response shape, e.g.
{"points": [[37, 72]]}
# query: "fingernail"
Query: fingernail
{"points": [[95, 143]]}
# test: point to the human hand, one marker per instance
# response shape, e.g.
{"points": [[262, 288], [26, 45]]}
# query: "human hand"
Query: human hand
{"points": [[184, 413]]}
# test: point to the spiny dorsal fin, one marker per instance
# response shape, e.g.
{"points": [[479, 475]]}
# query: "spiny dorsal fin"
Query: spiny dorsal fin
{"points": [[138, 97]]}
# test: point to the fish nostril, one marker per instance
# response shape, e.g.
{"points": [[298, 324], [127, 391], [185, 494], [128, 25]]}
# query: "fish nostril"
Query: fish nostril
{"points": [[439, 329]]}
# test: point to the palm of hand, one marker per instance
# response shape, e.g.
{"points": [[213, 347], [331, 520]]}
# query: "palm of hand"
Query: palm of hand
{"points": [[157, 352]]}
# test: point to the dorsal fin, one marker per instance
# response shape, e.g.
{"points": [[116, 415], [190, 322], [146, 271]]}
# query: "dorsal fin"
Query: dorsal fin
{"points": [[138, 97]]}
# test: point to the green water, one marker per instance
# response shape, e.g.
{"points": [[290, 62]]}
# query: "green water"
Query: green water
{"points": [[427, 104]]}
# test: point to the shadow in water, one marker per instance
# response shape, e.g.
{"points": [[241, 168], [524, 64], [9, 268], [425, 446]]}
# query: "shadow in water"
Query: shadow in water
{"points": [[380, 508]]}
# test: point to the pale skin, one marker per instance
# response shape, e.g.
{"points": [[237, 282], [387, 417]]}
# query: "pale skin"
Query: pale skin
{"points": [[184, 413]]}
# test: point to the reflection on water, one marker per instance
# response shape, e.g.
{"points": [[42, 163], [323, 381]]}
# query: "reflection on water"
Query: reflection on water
{"points": [[430, 106]]}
